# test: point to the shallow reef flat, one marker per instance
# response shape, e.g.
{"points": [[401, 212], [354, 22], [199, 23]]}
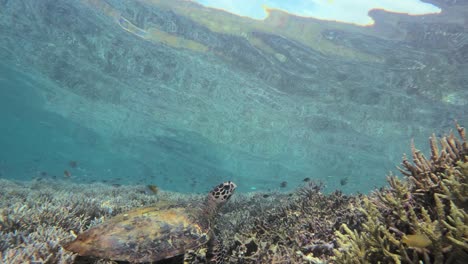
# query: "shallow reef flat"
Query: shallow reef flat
{"points": [[35, 217], [419, 217]]}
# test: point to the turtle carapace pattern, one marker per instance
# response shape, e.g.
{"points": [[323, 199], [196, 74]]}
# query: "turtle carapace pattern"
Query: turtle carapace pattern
{"points": [[153, 233]]}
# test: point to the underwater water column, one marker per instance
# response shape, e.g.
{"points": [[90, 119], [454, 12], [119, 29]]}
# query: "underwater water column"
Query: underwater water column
{"points": [[126, 92]]}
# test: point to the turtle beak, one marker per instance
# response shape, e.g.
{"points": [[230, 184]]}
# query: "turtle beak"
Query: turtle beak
{"points": [[233, 185], [230, 187]]}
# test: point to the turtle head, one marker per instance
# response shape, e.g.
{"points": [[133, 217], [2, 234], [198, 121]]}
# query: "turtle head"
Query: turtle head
{"points": [[215, 199], [221, 193]]}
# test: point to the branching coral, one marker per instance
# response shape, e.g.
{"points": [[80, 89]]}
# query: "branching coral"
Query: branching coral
{"points": [[41, 245], [36, 217], [288, 229], [422, 218], [419, 219]]}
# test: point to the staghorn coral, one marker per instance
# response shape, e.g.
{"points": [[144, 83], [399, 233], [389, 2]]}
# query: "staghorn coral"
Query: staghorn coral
{"points": [[420, 219], [36, 217], [295, 228], [42, 246]]}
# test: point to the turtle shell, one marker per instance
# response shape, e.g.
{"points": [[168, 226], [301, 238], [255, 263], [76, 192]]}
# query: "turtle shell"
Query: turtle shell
{"points": [[143, 235]]}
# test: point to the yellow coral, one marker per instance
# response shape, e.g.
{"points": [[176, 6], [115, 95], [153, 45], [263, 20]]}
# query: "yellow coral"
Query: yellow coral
{"points": [[430, 204]]}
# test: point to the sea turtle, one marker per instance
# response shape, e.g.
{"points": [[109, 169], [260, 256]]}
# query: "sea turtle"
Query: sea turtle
{"points": [[153, 233]]}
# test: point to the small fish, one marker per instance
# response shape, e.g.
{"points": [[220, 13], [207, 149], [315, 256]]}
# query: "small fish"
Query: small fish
{"points": [[416, 241], [283, 184], [66, 174], [73, 164], [266, 196], [306, 179], [153, 188], [344, 181]]}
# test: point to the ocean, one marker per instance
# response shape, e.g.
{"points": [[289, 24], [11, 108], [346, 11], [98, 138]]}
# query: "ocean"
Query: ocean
{"points": [[332, 131]]}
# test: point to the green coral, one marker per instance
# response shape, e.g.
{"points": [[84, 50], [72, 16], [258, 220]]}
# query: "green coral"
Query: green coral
{"points": [[421, 219]]}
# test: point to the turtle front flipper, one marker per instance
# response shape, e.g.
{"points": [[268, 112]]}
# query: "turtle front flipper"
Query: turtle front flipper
{"points": [[219, 252]]}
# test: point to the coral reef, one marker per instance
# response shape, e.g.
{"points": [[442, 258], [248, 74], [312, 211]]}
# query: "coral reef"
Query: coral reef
{"points": [[35, 218], [420, 219], [282, 228]]}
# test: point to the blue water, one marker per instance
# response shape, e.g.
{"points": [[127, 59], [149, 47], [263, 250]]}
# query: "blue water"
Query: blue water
{"points": [[83, 100], [37, 143]]}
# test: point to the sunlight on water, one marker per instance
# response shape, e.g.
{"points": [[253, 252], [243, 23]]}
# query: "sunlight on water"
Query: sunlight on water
{"points": [[340, 10], [127, 125]]}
